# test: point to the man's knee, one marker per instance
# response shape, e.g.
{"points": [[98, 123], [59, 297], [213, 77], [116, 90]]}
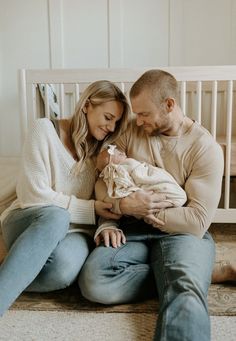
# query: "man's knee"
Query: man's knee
{"points": [[97, 279]]}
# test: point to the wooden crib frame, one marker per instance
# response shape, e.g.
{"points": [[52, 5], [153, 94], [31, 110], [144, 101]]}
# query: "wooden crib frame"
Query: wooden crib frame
{"points": [[209, 92]]}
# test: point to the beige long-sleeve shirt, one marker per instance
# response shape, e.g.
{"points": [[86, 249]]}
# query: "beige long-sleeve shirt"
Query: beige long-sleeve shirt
{"points": [[195, 161]]}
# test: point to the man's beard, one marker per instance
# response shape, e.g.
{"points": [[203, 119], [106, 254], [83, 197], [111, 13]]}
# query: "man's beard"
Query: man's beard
{"points": [[154, 132]]}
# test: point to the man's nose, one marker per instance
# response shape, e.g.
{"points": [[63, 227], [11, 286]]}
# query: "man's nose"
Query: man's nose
{"points": [[139, 121]]}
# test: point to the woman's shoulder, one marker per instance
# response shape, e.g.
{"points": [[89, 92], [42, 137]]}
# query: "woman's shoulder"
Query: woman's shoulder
{"points": [[40, 129], [41, 126], [42, 122]]}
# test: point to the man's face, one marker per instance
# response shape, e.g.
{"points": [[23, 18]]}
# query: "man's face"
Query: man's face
{"points": [[154, 119]]}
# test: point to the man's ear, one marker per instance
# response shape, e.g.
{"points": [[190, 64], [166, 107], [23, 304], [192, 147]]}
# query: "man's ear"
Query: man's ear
{"points": [[170, 103]]}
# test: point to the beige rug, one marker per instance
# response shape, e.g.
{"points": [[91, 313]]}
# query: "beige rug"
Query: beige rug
{"points": [[18, 325], [222, 298]]}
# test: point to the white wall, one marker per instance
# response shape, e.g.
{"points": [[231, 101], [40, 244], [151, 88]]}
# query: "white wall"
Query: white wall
{"points": [[106, 33]]}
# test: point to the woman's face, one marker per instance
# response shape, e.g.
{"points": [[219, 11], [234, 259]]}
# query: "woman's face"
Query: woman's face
{"points": [[102, 118]]}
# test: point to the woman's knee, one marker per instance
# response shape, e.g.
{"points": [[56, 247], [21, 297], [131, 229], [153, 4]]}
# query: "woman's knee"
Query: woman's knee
{"points": [[64, 264], [58, 273]]}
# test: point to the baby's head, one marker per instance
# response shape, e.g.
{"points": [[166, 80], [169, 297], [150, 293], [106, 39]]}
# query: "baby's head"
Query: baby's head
{"points": [[109, 155]]}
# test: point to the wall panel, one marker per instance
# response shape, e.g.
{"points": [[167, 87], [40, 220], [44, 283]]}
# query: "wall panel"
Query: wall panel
{"points": [[201, 32], [24, 43], [85, 33]]}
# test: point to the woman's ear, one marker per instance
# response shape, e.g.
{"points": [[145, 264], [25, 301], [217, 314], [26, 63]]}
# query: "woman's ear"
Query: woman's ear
{"points": [[170, 103], [85, 107]]}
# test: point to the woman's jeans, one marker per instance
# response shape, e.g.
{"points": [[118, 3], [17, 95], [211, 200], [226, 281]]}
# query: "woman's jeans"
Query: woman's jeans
{"points": [[179, 267], [42, 256]]}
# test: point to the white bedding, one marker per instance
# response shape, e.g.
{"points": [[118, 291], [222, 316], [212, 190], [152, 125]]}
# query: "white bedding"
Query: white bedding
{"points": [[8, 176]]}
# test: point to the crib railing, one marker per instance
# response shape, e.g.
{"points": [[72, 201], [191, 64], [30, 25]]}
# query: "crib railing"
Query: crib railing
{"points": [[207, 95]]}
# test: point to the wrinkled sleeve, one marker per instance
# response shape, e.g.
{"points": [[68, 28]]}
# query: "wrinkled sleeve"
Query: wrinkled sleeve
{"points": [[203, 189]]}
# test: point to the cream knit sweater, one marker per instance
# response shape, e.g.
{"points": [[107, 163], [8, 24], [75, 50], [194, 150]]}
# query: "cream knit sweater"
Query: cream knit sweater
{"points": [[45, 176]]}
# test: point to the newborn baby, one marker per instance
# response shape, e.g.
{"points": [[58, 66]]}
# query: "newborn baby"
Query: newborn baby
{"points": [[120, 176], [123, 175]]}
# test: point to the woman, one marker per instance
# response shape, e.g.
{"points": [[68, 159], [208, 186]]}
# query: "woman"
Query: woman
{"points": [[54, 192]]}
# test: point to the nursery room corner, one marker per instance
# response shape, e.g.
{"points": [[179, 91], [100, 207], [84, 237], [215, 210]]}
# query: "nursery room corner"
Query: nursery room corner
{"points": [[52, 52]]}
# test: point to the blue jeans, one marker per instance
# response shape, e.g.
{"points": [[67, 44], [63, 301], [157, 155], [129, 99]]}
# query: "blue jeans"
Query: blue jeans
{"points": [[179, 267], [42, 256]]}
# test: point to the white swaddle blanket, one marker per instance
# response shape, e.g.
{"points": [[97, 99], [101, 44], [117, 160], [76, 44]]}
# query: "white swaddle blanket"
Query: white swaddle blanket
{"points": [[123, 179]]}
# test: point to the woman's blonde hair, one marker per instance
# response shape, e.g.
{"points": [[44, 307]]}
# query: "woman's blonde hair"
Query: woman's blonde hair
{"points": [[96, 93]]}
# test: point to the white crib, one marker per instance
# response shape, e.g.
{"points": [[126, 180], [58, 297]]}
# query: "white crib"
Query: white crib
{"points": [[207, 95]]}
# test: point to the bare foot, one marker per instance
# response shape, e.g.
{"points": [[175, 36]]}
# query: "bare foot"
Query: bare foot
{"points": [[224, 271]]}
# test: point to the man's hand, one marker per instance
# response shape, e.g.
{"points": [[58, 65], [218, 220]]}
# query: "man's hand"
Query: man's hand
{"points": [[113, 236], [103, 209], [143, 203], [153, 220]]}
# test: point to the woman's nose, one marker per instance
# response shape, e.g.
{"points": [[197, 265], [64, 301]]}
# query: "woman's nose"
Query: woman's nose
{"points": [[111, 126]]}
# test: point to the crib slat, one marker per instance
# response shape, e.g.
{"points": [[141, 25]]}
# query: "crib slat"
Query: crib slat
{"points": [[228, 142], [183, 97], [34, 101], [77, 96], [46, 102], [214, 108], [199, 102], [62, 100]]}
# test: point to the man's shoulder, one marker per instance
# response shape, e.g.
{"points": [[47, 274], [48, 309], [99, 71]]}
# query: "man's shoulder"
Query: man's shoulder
{"points": [[204, 142], [201, 135]]}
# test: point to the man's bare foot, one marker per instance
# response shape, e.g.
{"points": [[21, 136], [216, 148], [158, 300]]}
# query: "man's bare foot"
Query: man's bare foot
{"points": [[224, 271]]}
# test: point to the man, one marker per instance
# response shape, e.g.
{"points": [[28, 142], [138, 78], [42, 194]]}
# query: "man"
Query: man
{"points": [[172, 249]]}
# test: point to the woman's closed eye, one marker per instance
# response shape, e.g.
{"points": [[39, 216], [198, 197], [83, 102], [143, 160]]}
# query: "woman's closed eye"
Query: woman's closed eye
{"points": [[108, 118]]}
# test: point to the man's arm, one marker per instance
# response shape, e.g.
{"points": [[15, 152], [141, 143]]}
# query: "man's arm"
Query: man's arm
{"points": [[203, 189]]}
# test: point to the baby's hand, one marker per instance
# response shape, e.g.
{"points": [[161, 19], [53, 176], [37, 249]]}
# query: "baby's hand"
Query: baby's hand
{"points": [[113, 236]]}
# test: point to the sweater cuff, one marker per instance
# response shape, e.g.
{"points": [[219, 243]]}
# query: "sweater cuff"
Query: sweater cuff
{"points": [[116, 207], [104, 226], [82, 211]]}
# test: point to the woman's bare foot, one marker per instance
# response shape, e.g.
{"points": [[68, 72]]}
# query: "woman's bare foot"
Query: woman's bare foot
{"points": [[224, 271]]}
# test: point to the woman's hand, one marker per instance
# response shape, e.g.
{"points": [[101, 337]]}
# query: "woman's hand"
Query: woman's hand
{"points": [[113, 236], [103, 209], [143, 203]]}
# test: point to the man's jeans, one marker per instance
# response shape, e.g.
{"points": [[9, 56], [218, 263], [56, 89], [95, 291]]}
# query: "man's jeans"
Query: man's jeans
{"points": [[42, 256], [180, 266]]}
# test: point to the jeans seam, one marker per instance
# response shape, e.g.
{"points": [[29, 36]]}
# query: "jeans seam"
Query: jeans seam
{"points": [[137, 266], [165, 296]]}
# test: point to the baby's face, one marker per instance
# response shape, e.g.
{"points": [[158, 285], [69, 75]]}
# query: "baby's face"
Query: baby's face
{"points": [[118, 157]]}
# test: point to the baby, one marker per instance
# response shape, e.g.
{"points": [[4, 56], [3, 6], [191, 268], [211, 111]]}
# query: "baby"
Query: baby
{"points": [[120, 176]]}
